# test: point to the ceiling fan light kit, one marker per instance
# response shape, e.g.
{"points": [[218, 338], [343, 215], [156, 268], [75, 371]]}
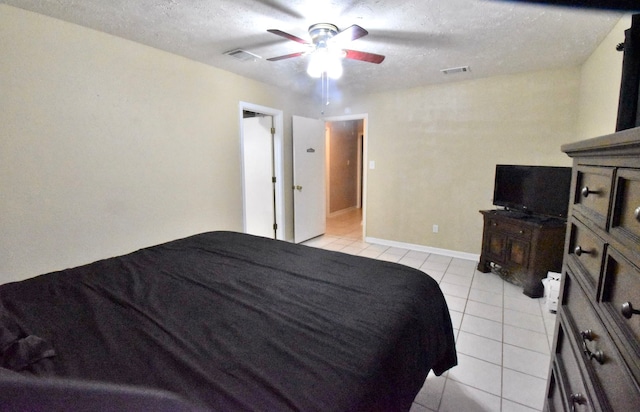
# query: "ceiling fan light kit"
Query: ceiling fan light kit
{"points": [[326, 48], [325, 60]]}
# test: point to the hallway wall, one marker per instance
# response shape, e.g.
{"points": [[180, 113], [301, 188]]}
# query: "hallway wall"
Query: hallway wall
{"points": [[343, 165]]}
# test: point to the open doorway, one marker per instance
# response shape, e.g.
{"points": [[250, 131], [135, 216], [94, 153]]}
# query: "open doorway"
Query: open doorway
{"points": [[261, 140], [346, 175]]}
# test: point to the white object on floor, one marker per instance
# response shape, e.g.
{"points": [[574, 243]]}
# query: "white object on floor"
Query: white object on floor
{"points": [[552, 290]]}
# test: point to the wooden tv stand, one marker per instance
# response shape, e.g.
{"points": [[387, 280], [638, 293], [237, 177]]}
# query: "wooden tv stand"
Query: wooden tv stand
{"points": [[524, 248]]}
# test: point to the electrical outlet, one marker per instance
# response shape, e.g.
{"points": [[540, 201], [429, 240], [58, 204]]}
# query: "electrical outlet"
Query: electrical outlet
{"points": [[435, 228]]}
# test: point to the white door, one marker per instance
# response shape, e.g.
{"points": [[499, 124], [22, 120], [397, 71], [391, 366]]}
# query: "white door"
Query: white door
{"points": [[274, 157], [309, 215], [257, 142]]}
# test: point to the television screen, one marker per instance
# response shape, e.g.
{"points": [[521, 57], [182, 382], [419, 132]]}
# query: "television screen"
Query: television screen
{"points": [[539, 190]]}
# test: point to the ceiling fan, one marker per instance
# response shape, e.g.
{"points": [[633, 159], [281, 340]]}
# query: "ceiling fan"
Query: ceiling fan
{"points": [[326, 48]]}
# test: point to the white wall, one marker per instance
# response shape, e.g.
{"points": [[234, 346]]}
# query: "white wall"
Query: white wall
{"points": [[600, 85], [107, 146]]}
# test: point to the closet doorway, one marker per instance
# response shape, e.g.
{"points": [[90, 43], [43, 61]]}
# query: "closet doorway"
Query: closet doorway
{"points": [[261, 140]]}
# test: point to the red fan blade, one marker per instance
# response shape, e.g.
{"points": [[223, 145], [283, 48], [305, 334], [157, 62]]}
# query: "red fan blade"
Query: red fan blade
{"points": [[364, 56], [287, 36], [286, 56], [350, 34]]}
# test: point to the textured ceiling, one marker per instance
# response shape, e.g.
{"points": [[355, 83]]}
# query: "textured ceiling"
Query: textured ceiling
{"points": [[418, 38]]}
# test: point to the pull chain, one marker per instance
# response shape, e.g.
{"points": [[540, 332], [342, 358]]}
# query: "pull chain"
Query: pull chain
{"points": [[325, 91]]}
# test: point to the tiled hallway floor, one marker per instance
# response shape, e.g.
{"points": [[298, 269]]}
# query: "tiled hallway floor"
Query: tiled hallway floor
{"points": [[503, 337]]}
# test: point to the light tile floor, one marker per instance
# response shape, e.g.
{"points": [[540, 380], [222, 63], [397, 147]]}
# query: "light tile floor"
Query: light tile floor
{"points": [[503, 338]]}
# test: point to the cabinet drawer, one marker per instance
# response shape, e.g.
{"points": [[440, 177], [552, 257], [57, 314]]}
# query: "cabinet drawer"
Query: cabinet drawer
{"points": [[592, 192], [599, 353], [510, 228], [620, 297], [625, 216], [587, 250], [567, 389]]}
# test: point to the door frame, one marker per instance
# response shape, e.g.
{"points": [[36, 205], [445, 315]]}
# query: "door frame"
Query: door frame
{"points": [[278, 162], [365, 147]]}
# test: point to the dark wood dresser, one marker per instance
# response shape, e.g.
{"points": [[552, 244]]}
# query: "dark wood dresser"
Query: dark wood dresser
{"points": [[525, 247], [596, 356]]}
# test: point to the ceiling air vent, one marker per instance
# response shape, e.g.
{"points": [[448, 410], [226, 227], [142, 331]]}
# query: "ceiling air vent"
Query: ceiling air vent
{"points": [[453, 70], [242, 55]]}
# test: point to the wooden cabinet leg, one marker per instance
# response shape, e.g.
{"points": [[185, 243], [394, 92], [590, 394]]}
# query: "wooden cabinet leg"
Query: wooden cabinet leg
{"points": [[483, 266]]}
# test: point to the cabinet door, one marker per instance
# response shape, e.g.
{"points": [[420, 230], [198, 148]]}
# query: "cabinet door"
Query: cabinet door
{"points": [[518, 252], [496, 246]]}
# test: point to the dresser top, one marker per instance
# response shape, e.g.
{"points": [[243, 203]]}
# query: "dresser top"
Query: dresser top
{"points": [[624, 143]]}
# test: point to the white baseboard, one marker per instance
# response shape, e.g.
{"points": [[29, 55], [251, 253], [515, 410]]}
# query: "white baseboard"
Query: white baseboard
{"points": [[427, 249]]}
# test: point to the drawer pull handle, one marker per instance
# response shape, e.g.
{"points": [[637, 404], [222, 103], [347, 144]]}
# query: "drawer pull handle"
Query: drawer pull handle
{"points": [[598, 355], [627, 310], [636, 213], [586, 192], [579, 251], [577, 398]]}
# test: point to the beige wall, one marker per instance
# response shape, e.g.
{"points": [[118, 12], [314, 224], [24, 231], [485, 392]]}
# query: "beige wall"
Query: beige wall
{"points": [[600, 85], [436, 147], [107, 146]]}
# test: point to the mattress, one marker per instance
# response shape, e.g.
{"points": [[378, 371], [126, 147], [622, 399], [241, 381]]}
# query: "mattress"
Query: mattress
{"points": [[234, 322]]}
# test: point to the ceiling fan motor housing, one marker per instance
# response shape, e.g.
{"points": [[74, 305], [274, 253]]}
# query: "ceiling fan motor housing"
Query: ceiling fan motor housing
{"points": [[321, 32]]}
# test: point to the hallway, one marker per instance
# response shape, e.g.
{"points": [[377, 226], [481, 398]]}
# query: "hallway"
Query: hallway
{"points": [[346, 225]]}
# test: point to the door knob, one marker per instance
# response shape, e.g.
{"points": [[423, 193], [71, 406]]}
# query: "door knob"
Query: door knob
{"points": [[298, 188]]}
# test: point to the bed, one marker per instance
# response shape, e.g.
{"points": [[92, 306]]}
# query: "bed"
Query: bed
{"points": [[225, 321]]}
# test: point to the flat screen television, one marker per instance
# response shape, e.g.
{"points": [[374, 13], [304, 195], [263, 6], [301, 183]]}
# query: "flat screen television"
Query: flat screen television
{"points": [[537, 190]]}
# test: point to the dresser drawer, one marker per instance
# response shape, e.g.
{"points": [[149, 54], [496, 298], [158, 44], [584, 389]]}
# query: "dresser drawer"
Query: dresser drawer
{"points": [[620, 298], [507, 227], [555, 396], [625, 215], [600, 356], [567, 387], [592, 193], [587, 250]]}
